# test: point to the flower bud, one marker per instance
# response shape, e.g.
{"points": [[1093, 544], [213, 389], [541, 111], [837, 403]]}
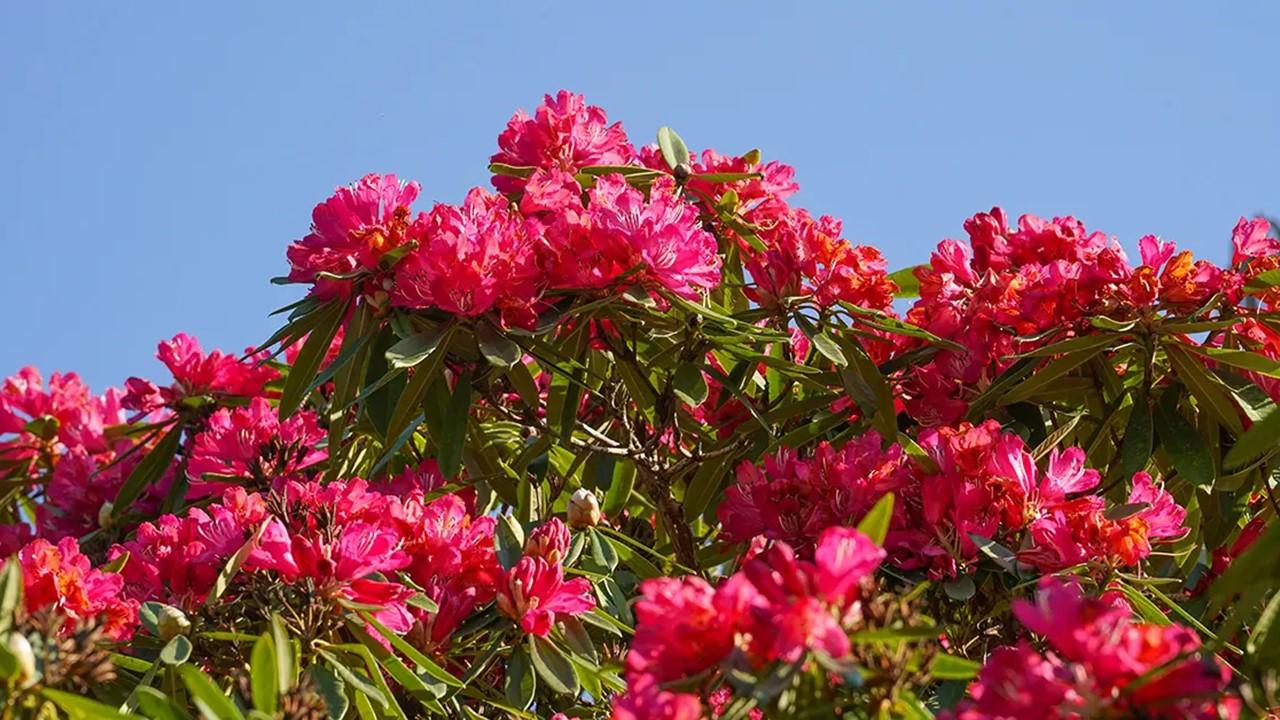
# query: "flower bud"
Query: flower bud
{"points": [[104, 514], [172, 622], [20, 648], [550, 541], [584, 509]]}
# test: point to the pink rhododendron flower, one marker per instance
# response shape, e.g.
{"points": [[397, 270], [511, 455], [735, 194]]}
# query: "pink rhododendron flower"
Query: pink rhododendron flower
{"points": [[252, 443], [472, 258], [59, 577], [351, 232], [646, 700], [61, 415], [549, 541], [662, 234], [681, 629], [535, 594], [198, 373], [564, 133]]}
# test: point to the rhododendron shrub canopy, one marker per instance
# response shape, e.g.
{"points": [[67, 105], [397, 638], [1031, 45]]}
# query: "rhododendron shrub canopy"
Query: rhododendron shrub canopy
{"points": [[630, 434]]}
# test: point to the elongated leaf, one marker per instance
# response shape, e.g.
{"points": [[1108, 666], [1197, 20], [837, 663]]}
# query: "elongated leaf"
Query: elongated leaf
{"points": [[10, 593], [223, 581], [1135, 448], [307, 364], [83, 708], [497, 348], [451, 434], [208, 699], [1190, 456], [148, 471], [553, 667], [907, 282], [264, 681], [415, 349], [689, 384], [1054, 369], [705, 485], [1238, 358], [1083, 342], [950, 667], [415, 656], [869, 388], [285, 667], [1260, 438], [1263, 644], [875, 524], [1206, 389], [521, 682], [673, 148], [1263, 281]]}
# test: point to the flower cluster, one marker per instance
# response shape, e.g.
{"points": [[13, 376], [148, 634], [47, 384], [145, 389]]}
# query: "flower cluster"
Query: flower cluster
{"points": [[978, 483], [1103, 664], [777, 608]]}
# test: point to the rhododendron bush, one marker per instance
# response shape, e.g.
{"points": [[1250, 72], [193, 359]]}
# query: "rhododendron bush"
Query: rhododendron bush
{"points": [[632, 435]]}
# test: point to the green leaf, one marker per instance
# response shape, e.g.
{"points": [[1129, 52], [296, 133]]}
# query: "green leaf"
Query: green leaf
{"points": [[705, 485], [521, 683], [875, 524], [421, 661], [208, 699], [413, 350], [332, 689], [1206, 389], [1260, 438], [869, 389], [223, 581], [509, 540], [1190, 456], [1052, 370], [79, 707], [552, 666], [307, 364], [424, 374], [177, 651], [907, 282], [518, 171], [148, 471], [362, 686], [962, 588], [158, 706], [496, 347], [1263, 644], [950, 667], [1238, 358], [1263, 281], [10, 592], [451, 435], [1082, 342], [1146, 609], [286, 673], [264, 680], [673, 148], [689, 384], [1136, 447]]}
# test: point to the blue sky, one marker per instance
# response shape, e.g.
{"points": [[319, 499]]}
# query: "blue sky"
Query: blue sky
{"points": [[157, 158]]}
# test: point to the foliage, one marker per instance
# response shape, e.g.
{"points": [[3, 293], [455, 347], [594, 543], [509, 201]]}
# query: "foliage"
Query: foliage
{"points": [[635, 437]]}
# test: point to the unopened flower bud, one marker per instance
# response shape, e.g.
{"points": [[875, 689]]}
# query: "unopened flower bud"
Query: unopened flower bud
{"points": [[104, 514], [584, 509], [682, 172], [171, 622], [20, 648]]}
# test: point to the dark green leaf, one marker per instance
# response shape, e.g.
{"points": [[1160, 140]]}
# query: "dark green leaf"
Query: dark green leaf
{"points": [[148, 471], [413, 350], [451, 435], [497, 348], [689, 384], [83, 708], [553, 667], [307, 364], [962, 588], [520, 683], [332, 689], [1190, 456]]}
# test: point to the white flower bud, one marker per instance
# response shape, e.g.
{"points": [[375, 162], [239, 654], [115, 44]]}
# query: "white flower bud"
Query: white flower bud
{"points": [[172, 622], [20, 648], [584, 509], [104, 514]]}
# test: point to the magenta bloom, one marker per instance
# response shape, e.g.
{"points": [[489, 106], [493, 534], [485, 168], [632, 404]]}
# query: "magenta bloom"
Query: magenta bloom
{"points": [[60, 577], [681, 629], [351, 231], [534, 593], [646, 700], [565, 133], [253, 444], [549, 541], [196, 373], [471, 258], [1251, 239], [72, 417], [178, 559], [663, 234]]}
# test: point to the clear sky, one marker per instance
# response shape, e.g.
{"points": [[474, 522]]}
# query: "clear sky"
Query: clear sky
{"points": [[156, 158]]}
